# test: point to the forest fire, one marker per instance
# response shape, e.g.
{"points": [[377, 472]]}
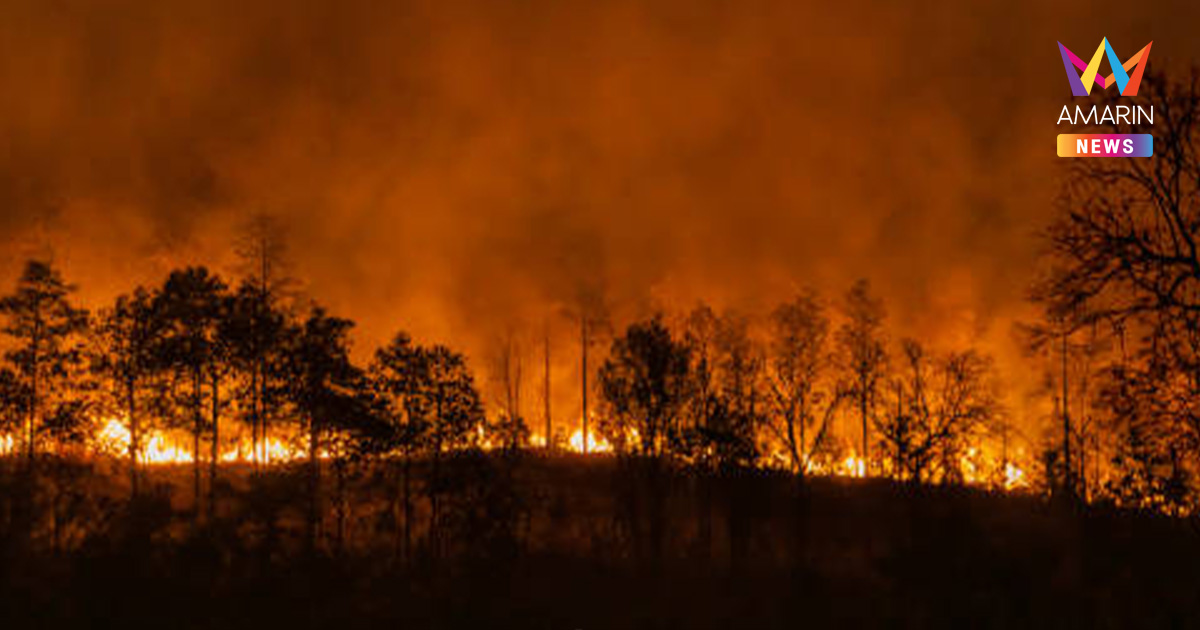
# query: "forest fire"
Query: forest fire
{"points": [[1014, 477], [594, 444], [852, 466], [651, 314], [237, 376], [114, 438], [161, 447]]}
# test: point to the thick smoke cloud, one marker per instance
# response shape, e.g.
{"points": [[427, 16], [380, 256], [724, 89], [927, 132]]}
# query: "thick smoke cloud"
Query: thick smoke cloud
{"points": [[465, 168]]}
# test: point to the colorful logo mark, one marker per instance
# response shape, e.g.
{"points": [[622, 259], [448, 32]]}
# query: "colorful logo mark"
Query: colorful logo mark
{"points": [[1082, 85]]}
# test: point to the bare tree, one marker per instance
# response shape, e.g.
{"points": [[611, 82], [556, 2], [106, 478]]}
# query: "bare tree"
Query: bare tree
{"points": [[863, 356], [261, 309], [509, 367], [799, 384], [739, 361], [942, 404], [1123, 252], [593, 322], [546, 399]]}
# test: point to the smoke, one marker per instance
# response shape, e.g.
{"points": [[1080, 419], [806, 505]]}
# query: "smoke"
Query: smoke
{"points": [[460, 169]]}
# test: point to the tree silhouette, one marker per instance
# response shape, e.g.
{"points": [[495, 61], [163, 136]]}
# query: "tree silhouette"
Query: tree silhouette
{"points": [[128, 333], [699, 333], [800, 388], [942, 405], [1150, 475], [335, 406], [863, 356], [511, 426], [1124, 259], [723, 405], [258, 323], [13, 400], [192, 303], [45, 329], [254, 329], [398, 375], [456, 415], [644, 383], [322, 389], [731, 434]]}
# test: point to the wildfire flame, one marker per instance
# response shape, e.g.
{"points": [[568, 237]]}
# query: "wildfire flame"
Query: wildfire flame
{"points": [[595, 443], [852, 466], [165, 447], [156, 448], [159, 447], [1014, 477]]}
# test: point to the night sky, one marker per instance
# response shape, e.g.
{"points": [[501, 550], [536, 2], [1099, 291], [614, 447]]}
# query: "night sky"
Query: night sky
{"points": [[462, 169]]}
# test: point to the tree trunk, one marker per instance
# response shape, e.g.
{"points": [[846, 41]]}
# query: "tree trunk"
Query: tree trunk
{"points": [[705, 479], [255, 419], [797, 446], [339, 467], [546, 395], [134, 436], [1068, 472], [863, 408], [584, 344], [314, 485], [408, 507], [435, 484], [215, 454], [398, 484], [197, 429], [34, 395]]}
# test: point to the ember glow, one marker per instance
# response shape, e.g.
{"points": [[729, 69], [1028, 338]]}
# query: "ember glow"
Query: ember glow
{"points": [[1014, 477], [594, 444], [852, 466], [162, 447], [156, 448]]}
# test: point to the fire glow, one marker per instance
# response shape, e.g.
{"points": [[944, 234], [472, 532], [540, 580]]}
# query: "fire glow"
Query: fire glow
{"points": [[160, 447], [164, 448]]}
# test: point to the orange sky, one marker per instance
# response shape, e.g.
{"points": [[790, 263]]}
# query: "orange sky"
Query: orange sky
{"points": [[461, 168]]}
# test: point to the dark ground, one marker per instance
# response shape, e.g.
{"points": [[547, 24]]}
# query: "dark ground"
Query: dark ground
{"points": [[569, 543]]}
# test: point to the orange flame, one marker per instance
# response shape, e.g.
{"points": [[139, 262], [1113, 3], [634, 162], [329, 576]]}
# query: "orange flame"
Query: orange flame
{"points": [[595, 443], [159, 447]]}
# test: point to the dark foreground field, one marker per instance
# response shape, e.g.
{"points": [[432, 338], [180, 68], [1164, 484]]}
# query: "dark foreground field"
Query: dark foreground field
{"points": [[535, 542]]}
